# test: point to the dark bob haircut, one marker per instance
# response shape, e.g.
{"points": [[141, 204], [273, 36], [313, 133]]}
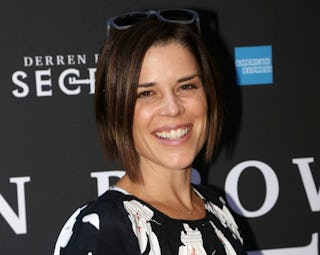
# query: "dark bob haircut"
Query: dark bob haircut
{"points": [[117, 78]]}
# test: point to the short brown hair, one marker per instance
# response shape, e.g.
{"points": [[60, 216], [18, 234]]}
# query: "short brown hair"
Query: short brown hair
{"points": [[117, 78]]}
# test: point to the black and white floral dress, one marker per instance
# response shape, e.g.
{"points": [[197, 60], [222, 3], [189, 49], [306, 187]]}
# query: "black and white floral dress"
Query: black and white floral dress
{"points": [[119, 223]]}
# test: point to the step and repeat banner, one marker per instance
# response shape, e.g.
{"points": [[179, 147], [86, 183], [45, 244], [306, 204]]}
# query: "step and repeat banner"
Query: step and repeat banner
{"points": [[268, 163]]}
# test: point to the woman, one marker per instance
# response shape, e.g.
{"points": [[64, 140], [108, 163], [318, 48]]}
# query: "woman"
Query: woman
{"points": [[157, 105]]}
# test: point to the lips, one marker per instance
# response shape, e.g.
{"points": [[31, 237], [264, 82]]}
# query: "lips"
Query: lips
{"points": [[173, 134]]}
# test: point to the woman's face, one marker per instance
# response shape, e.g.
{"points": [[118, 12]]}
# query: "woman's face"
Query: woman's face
{"points": [[170, 117]]}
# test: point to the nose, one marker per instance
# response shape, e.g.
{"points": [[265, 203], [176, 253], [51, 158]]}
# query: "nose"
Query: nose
{"points": [[171, 105]]}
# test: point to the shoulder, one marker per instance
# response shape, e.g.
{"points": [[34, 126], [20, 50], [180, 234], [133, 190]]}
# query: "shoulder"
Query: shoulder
{"points": [[96, 224]]}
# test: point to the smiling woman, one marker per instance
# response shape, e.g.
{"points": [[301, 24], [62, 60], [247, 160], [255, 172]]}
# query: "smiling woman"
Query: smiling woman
{"points": [[118, 79], [157, 106], [170, 117]]}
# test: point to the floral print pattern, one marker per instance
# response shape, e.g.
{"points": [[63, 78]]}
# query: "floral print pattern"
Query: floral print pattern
{"points": [[140, 216], [192, 242], [118, 223]]}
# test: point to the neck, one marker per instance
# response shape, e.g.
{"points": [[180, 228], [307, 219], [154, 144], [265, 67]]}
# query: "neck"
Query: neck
{"points": [[168, 190], [160, 184]]}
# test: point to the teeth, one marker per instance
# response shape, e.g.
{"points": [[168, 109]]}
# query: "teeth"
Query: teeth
{"points": [[174, 133]]}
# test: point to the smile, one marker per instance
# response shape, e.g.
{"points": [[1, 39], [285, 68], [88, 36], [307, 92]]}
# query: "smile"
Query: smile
{"points": [[173, 133]]}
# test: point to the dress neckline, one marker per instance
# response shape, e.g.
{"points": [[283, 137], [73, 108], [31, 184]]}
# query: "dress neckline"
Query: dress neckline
{"points": [[158, 212]]}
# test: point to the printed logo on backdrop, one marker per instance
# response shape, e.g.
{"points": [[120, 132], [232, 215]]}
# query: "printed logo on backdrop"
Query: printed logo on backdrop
{"points": [[49, 75], [253, 65]]}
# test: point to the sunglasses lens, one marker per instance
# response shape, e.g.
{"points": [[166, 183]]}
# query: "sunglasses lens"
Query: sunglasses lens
{"points": [[180, 16], [129, 19], [177, 15]]}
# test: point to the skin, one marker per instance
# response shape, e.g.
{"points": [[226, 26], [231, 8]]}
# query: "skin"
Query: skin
{"points": [[169, 129]]}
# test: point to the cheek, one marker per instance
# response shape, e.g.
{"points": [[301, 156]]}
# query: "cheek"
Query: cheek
{"points": [[201, 112], [200, 107], [138, 117], [141, 119]]}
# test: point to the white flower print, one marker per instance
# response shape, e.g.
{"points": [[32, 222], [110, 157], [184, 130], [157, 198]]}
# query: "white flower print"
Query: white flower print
{"points": [[140, 217], [192, 240], [226, 244], [66, 232], [93, 219], [225, 218]]}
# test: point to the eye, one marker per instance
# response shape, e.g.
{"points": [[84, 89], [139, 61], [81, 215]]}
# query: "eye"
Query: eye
{"points": [[188, 86], [145, 93]]}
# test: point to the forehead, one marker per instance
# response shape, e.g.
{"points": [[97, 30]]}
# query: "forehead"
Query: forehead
{"points": [[171, 60]]}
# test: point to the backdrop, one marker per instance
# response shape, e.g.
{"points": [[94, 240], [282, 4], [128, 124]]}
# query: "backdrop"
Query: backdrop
{"points": [[268, 163]]}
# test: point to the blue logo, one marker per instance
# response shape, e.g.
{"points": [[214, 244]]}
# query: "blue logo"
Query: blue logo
{"points": [[253, 65]]}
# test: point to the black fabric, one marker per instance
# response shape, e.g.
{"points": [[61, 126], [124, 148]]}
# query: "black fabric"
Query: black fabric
{"points": [[115, 232]]}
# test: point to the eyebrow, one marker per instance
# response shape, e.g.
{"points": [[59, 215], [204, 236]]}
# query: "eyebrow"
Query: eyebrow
{"points": [[188, 78], [183, 79], [146, 85]]}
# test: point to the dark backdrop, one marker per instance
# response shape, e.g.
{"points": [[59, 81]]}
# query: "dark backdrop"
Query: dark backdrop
{"points": [[268, 161]]}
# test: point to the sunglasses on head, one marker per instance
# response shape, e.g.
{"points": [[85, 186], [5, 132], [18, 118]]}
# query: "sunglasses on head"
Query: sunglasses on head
{"points": [[179, 16]]}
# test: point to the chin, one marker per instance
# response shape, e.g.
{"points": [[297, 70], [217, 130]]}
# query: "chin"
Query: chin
{"points": [[181, 165]]}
